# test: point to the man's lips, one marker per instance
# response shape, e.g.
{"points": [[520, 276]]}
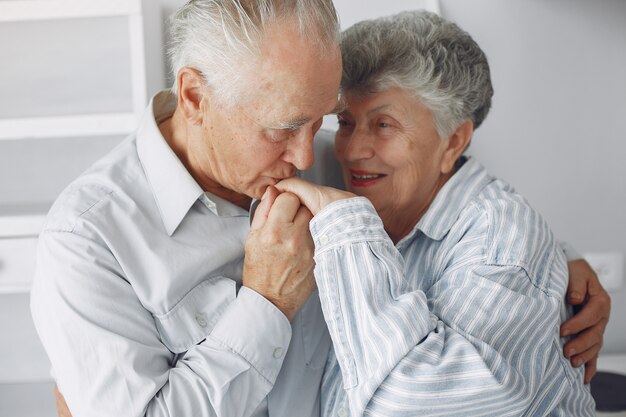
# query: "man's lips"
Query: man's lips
{"points": [[360, 178]]}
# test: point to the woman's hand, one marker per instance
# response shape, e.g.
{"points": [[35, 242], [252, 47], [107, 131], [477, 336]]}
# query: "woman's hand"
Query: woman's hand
{"points": [[314, 197], [585, 293]]}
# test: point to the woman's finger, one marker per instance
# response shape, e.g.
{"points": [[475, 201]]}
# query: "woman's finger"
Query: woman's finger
{"points": [[284, 209], [307, 192]]}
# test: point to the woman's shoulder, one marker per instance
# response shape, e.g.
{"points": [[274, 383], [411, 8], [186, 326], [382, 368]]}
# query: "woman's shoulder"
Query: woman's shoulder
{"points": [[515, 233]]}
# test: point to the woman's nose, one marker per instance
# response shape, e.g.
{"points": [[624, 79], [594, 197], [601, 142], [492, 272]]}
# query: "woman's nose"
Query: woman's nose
{"points": [[360, 146]]}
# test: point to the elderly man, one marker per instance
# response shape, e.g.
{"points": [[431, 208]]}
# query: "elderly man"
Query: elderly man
{"points": [[143, 298]]}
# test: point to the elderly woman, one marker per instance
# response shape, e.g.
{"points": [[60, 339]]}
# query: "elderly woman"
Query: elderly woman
{"points": [[442, 288]]}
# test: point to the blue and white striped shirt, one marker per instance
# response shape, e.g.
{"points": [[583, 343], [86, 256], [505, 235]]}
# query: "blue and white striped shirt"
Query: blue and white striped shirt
{"points": [[460, 318]]}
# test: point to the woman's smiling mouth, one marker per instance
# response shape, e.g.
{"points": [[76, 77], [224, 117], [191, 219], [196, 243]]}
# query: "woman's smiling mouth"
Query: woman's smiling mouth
{"points": [[364, 178]]}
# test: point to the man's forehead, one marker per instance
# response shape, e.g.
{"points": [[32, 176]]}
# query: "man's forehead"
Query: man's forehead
{"points": [[292, 118], [299, 87]]}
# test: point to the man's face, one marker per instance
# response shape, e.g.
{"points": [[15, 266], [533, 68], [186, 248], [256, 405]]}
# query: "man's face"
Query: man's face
{"points": [[269, 134]]}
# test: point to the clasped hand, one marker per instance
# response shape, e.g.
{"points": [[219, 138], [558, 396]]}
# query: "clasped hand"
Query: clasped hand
{"points": [[279, 250]]}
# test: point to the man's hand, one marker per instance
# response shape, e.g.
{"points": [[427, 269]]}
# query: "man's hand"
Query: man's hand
{"points": [[589, 323], [62, 409], [279, 250], [314, 197]]}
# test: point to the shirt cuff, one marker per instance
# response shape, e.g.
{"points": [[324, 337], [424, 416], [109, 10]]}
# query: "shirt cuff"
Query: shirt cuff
{"points": [[570, 253], [256, 330], [346, 221]]}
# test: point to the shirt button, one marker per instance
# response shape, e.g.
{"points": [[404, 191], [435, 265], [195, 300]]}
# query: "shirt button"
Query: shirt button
{"points": [[342, 412], [201, 321], [278, 352], [207, 202], [324, 239]]}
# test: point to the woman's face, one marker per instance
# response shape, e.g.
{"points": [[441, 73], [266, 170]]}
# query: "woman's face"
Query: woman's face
{"points": [[391, 153]]}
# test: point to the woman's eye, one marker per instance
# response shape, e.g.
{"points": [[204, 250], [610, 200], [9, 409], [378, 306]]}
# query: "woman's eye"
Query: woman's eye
{"points": [[383, 125], [342, 122]]}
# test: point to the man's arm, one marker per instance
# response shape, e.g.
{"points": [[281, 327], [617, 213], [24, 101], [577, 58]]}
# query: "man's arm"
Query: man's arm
{"points": [[108, 355], [278, 245], [592, 305]]}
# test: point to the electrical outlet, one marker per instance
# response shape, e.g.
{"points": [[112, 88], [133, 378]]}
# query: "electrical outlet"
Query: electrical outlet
{"points": [[609, 267]]}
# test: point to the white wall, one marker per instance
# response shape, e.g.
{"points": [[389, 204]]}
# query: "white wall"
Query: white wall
{"points": [[556, 128]]}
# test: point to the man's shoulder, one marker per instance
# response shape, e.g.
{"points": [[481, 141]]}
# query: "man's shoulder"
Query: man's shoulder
{"points": [[110, 181]]}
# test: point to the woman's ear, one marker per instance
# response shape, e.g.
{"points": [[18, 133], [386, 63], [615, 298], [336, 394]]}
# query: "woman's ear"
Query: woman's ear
{"points": [[457, 143], [191, 91]]}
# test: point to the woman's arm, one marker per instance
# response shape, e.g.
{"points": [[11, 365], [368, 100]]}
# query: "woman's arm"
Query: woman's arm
{"points": [[484, 337], [453, 340], [592, 303]]}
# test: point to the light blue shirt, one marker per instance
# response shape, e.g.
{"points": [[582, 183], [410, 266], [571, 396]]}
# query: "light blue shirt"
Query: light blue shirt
{"points": [[135, 297], [460, 318]]}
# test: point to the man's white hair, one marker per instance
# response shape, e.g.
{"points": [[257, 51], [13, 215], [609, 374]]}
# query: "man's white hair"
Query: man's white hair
{"points": [[219, 38]]}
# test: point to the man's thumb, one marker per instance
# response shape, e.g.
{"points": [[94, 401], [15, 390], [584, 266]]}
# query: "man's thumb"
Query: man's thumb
{"points": [[259, 215]]}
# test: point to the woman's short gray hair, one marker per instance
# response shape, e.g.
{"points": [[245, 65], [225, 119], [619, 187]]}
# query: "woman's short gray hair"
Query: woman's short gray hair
{"points": [[216, 36], [423, 53]]}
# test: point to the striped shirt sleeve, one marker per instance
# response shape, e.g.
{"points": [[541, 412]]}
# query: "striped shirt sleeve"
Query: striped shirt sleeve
{"points": [[460, 329]]}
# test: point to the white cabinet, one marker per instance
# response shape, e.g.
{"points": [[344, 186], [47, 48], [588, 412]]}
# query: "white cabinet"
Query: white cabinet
{"points": [[80, 66], [72, 86]]}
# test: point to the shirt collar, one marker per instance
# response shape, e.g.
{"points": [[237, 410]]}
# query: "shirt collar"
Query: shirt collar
{"points": [[174, 189], [453, 197]]}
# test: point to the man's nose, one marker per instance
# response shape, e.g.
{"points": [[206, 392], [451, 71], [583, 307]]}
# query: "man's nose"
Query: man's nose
{"points": [[300, 153]]}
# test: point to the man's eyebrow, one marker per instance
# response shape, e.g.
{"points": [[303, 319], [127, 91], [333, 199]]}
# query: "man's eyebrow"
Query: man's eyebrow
{"points": [[293, 124], [299, 122]]}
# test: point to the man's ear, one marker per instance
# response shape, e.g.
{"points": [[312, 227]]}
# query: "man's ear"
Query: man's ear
{"points": [[191, 91], [457, 143]]}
